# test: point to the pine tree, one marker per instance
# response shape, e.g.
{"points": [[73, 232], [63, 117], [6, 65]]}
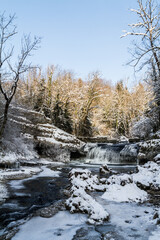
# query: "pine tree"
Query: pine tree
{"points": [[39, 101], [85, 128], [67, 120], [57, 113]]}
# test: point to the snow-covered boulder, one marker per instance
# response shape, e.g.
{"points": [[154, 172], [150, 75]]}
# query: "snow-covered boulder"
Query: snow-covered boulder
{"points": [[80, 201], [148, 150], [127, 193], [123, 139], [157, 158], [155, 135], [148, 176], [129, 153], [105, 169]]}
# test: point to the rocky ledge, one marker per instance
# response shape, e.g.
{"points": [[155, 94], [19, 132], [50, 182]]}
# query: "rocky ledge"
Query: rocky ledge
{"points": [[48, 140]]}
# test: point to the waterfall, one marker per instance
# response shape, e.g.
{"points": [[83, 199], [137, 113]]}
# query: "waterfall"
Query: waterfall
{"points": [[112, 153]]}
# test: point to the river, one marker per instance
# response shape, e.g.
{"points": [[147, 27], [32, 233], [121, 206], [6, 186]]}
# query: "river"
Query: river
{"points": [[21, 215]]}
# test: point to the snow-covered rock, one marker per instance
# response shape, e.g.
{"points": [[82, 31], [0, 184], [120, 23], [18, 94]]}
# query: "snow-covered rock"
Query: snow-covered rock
{"points": [[105, 169], [129, 152], [148, 176], [131, 188], [127, 193], [148, 150], [122, 188], [23, 172], [124, 139], [49, 140], [157, 158], [80, 201], [155, 135]]}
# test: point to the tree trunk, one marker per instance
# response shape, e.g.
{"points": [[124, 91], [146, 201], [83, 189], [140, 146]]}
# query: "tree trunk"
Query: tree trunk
{"points": [[4, 121]]}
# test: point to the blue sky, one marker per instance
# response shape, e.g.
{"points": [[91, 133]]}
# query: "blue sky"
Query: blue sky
{"points": [[79, 35]]}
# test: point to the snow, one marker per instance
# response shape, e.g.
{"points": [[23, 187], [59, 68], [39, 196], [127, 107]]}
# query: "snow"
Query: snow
{"points": [[142, 128], [118, 188], [23, 119], [23, 172], [157, 157], [43, 172], [22, 123], [81, 201], [48, 139], [155, 234], [47, 161], [8, 158], [47, 172], [123, 139], [122, 189], [131, 220], [58, 136], [150, 144], [62, 226], [127, 193], [25, 152], [148, 175]]}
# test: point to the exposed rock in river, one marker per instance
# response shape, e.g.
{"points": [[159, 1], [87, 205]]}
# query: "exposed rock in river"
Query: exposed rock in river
{"points": [[149, 150]]}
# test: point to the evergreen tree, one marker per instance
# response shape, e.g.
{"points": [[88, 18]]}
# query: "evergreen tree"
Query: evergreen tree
{"points": [[39, 101], [85, 127], [61, 118], [67, 120], [57, 113]]}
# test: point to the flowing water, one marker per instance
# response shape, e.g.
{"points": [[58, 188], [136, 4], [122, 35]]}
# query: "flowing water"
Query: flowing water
{"points": [[122, 153]]}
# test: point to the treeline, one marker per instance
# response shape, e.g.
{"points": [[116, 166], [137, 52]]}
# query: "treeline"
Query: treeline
{"points": [[84, 108]]}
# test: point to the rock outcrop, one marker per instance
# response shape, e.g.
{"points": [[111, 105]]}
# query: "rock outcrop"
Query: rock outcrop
{"points": [[149, 151], [48, 140]]}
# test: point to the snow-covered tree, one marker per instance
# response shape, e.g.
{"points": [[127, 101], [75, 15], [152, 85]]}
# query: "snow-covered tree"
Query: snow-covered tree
{"points": [[147, 49]]}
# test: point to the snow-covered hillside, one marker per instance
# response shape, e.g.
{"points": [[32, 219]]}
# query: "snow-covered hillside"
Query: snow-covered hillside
{"points": [[29, 132]]}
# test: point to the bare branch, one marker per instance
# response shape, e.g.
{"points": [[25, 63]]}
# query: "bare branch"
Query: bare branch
{"points": [[9, 72], [148, 30]]}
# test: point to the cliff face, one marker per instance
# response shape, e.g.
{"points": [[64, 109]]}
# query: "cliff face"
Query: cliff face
{"points": [[48, 140]]}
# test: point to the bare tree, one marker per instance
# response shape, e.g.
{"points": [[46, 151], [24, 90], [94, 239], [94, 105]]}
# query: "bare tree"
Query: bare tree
{"points": [[9, 72], [147, 49], [148, 29]]}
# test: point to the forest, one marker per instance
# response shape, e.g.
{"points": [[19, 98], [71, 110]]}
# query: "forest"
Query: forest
{"points": [[84, 107]]}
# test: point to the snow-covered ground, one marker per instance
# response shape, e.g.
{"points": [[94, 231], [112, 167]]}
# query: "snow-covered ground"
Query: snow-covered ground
{"points": [[62, 226], [155, 235]]}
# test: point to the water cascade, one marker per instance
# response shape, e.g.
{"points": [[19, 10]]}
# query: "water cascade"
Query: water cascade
{"points": [[122, 153]]}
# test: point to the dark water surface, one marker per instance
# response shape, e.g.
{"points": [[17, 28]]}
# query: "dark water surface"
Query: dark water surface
{"points": [[35, 193]]}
